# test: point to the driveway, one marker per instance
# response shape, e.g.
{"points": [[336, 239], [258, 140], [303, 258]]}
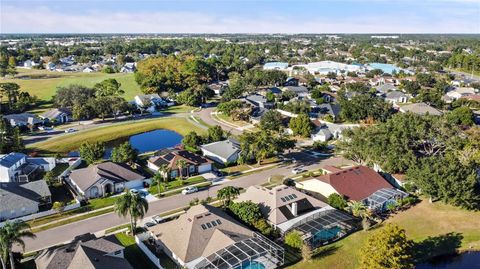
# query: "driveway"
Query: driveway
{"points": [[67, 232]]}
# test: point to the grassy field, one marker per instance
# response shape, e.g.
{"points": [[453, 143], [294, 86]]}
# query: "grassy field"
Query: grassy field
{"points": [[66, 143], [437, 228], [44, 83]]}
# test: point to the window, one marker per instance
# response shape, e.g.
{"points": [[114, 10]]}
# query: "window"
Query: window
{"points": [[204, 227]]}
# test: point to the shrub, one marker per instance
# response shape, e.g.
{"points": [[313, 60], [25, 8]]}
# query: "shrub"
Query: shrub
{"points": [[337, 201], [263, 227], [294, 239]]}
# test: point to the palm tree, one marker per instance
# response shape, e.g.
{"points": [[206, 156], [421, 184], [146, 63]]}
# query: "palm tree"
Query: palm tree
{"points": [[133, 205], [181, 164], [164, 171], [156, 180], [227, 194], [358, 209], [13, 233]]}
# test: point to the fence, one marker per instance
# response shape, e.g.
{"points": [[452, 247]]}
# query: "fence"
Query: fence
{"points": [[43, 214], [151, 256], [288, 114]]}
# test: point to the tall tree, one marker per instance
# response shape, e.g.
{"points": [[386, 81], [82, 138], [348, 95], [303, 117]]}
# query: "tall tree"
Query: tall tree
{"points": [[226, 194], [132, 205], [108, 87], [124, 153], [272, 120], [91, 152], [387, 248], [13, 233], [215, 133], [12, 66]]}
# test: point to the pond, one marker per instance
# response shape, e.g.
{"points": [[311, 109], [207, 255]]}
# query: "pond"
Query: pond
{"points": [[148, 141], [466, 260]]}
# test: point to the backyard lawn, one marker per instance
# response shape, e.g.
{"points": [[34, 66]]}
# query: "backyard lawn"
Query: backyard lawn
{"points": [[66, 143], [44, 83], [133, 253], [436, 229]]}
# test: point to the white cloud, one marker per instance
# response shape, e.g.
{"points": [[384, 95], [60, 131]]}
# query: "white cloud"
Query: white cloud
{"points": [[46, 20]]}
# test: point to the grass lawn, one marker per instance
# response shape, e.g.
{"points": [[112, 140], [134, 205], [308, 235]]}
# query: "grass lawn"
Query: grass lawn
{"points": [[175, 184], [66, 143], [228, 119], [43, 83], [133, 253], [437, 228], [98, 203]]}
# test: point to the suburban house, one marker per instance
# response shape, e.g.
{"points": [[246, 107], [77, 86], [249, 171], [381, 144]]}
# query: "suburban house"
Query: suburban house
{"points": [[218, 87], [57, 115], [85, 252], [171, 159], [291, 81], [18, 167], [325, 109], [359, 183], [206, 237], [386, 88], [257, 114], [275, 66], [321, 133], [300, 91], [288, 209], [150, 102], [102, 179], [29, 64], [395, 97], [457, 93], [257, 100], [128, 68], [22, 119], [21, 199], [224, 152], [420, 109]]}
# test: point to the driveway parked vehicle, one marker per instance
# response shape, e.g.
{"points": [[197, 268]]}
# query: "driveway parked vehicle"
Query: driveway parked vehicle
{"points": [[298, 170], [158, 219], [70, 130], [189, 190]]}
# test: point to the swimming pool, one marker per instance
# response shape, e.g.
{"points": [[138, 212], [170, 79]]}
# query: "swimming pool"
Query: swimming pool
{"points": [[251, 265], [386, 68], [326, 234]]}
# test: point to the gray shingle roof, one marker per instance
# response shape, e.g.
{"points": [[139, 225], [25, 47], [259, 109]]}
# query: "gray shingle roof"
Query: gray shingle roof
{"points": [[84, 178], [224, 149], [395, 95], [54, 113], [15, 195], [421, 109], [23, 117], [83, 254]]}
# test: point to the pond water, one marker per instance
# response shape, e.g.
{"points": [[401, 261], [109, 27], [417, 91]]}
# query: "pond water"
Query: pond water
{"points": [[148, 141], [466, 260]]}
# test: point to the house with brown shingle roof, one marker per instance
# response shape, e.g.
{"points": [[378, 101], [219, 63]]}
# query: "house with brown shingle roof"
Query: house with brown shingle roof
{"points": [[207, 237], [101, 179], [359, 183], [171, 158], [288, 209], [86, 252]]}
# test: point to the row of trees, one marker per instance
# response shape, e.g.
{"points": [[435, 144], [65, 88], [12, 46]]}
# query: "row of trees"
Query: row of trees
{"points": [[214, 133], [93, 152], [438, 157], [100, 101], [17, 100]]}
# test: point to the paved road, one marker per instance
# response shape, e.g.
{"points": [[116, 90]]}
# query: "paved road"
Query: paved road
{"points": [[67, 232], [205, 115]]}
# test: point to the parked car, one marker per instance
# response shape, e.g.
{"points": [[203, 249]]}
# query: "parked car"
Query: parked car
{"points": [[134, 191], [158, 219], [298, 170], [70, 130], [149, 224], [189, 190], [217, 173], [45, 128]]}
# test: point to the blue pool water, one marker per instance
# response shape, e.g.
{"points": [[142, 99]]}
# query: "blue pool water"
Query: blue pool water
{"points": [[326, 234], [386, 68], [251, 265]]}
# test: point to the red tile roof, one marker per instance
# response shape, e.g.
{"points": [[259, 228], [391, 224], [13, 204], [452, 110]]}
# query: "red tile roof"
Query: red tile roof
{"points": [[356, 183]]}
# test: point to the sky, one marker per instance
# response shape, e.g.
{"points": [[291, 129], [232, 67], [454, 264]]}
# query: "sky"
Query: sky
{"points": [[236, 16]]}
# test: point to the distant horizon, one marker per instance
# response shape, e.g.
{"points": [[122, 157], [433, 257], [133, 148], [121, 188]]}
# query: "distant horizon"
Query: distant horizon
{"points": [[237, 17]]}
